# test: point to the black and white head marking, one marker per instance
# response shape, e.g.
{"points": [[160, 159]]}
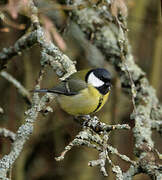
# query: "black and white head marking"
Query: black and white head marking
{"points": [[99, 78], [94, 80]]}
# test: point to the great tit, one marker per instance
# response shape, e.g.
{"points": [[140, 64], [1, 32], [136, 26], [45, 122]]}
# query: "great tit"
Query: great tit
{"points": [[84, 92]]}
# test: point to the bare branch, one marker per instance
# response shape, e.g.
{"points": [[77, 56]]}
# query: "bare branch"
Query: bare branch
{"points": [[18, 85]]}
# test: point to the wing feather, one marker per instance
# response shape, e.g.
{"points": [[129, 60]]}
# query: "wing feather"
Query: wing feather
{"points": [[71, 86]]}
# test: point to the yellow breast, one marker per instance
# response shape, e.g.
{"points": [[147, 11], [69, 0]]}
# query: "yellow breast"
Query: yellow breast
{"points": [[86, 102]]}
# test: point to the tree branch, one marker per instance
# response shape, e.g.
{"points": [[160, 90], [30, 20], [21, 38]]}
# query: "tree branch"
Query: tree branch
{"points": [[18, 85], [25, 130], [26, 41], [1, 111], [7, 133], [109, 35]]}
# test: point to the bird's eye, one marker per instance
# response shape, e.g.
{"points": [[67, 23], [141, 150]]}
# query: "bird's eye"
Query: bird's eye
{"points": [[102, 78], [105, 79]]}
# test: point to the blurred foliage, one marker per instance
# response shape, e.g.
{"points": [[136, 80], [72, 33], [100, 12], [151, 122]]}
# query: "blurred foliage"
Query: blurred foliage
{"points": [[54, 131]]}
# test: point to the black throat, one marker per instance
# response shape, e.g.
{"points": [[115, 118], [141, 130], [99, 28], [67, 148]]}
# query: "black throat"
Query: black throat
{"points": [[103, 89]]}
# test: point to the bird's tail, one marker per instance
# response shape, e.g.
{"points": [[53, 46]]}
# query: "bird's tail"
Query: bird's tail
{"points": [[40, 90], [56, 91]]}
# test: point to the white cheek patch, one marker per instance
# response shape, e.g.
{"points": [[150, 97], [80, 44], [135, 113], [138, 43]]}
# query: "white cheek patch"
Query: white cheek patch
{"points": [[96, 82]]}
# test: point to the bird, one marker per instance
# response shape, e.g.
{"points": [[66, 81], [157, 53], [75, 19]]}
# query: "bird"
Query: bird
{"points": [[84, 92]]}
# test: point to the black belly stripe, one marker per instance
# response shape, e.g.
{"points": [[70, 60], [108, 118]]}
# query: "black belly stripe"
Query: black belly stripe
{"points": [[99, 103]]}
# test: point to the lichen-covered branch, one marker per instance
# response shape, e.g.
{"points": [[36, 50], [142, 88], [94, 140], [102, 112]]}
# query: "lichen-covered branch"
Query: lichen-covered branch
{"points": [[22, 135], [100, 127], [26, 41], [157, 125], [1, 110], [95, 134], [7, 134], [109, 35], [25, 130]]}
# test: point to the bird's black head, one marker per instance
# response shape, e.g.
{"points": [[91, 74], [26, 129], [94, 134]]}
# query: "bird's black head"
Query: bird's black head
{"points": [[100, 78]]}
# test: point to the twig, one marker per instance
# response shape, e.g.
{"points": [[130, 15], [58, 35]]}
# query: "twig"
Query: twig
{"points": [[18, 85], [132, 171], [7, 133], [34, 14], [90, 137], [83, 138], [1, 111], [98, 126], [100, 162], [159, 154], [117, 170], [27, 41], [113, 150], [123, 58], [157, 125]]}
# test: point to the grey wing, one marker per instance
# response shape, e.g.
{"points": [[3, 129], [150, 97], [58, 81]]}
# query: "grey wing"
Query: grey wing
{"points": [[69, 87]]}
